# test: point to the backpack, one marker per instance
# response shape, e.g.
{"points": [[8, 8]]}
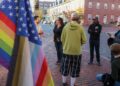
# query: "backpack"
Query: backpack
{"points": [[111, 41], [107, 80]]}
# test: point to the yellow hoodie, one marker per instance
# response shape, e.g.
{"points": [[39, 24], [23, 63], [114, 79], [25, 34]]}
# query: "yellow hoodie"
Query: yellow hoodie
{"points": [[73, 37]]}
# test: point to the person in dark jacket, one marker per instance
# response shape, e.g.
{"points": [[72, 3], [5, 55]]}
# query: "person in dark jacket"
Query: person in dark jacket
{"points": [[114, 39], [115, 68], [94, 40], [115, 49], [57, 38]]}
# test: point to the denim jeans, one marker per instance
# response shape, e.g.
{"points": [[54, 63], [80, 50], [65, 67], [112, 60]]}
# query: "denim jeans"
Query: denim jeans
{"points": [[117, 83], [99, 78], [58, 46]]}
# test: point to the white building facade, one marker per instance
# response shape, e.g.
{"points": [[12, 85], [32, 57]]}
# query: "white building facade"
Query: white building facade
{"points": [[73, 5]]}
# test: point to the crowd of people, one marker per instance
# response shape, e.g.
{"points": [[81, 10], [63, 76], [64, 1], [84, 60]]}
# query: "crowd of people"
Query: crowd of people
{"points": [[69, 39]]}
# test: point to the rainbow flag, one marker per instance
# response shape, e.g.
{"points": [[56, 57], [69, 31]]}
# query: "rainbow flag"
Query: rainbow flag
{"points": [[20, 46]]}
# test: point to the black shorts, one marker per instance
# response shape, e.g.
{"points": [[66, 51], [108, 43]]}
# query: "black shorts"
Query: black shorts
{"points": [[70, 64]]}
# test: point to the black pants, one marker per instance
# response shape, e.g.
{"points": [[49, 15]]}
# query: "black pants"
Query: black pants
{"points": [[58, 46], [94, 44]]}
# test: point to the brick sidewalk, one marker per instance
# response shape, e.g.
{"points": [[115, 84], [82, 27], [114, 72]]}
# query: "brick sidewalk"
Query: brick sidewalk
{"points": [[87, 74]]}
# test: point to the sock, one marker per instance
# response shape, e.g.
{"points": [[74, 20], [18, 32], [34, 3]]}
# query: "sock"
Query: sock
{"points": [[73, 81], [64, 79]]}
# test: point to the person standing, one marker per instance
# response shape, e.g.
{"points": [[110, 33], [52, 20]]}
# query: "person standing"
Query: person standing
{"points": [[94, 30], [37, 23], [57, 38], [73, 37]]}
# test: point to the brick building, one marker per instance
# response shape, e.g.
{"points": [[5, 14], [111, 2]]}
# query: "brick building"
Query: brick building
{"points": [[106, 10], [68, 6]]}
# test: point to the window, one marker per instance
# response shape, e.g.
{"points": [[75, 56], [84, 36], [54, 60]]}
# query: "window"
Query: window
{"points": [[118, 6], [89, 16], [53, 4], [50, 5], [105, 6], [105, 19], [112, 17], [98, 6], [118, 19], [46, 4], [90, 5], [41, 5], [113, 6], [45, 7]]}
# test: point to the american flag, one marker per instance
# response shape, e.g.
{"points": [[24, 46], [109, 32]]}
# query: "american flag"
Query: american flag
{"points": [[29, 68], [22, 16]]}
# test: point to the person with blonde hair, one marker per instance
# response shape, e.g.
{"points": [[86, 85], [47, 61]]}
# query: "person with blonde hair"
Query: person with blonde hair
{"points": [[73, 37]]}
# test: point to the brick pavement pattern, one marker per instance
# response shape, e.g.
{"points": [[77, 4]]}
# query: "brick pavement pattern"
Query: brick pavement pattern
{"points": [[87, 74]]}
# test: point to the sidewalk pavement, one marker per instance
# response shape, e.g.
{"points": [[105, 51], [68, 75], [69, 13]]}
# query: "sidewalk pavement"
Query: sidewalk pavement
{"points": [[87, 74]]}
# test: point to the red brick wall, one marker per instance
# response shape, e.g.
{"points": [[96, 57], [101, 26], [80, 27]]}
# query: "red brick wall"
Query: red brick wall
{"points": [[101, 12]]}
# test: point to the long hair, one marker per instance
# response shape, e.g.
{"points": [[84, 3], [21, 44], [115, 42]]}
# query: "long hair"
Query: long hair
{"points": [[61, 20]]}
